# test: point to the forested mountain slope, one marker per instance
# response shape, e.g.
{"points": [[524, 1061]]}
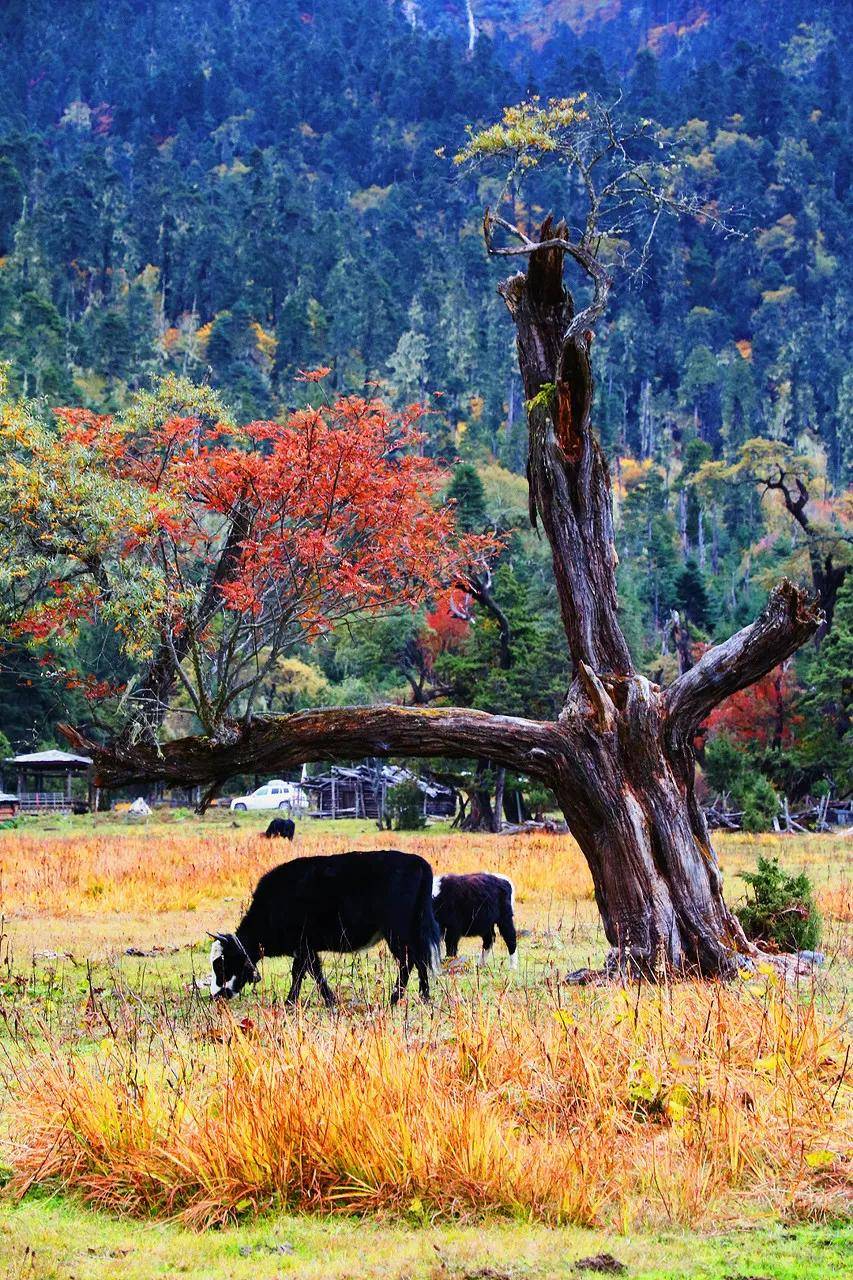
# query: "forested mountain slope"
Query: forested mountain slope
{"points": [[236, 190]]}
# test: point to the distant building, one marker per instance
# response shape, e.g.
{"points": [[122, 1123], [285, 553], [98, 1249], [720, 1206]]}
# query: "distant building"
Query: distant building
{"points": [[44, 779], [8, 804], [361, 791]]}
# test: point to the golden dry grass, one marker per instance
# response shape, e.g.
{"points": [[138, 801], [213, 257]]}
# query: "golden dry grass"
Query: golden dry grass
{"points": [[693, 1104], [163, 868], [608, 1107]]}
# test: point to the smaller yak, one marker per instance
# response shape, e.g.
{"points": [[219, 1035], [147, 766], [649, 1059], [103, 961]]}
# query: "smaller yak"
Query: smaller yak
{"points": [[473, 906], [344, 902], [285, 828]]}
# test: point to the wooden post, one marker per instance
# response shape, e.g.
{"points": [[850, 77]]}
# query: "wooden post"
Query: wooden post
{"points": [[334, 798]]}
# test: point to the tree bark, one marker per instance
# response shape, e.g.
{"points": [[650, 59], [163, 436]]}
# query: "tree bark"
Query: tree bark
{"points": [[151, 696], [620, 758]]}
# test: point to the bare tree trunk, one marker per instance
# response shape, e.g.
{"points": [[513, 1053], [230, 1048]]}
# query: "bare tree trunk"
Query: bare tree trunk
{"points": [[500, 780], [481, 816], [627, 789], [620, 758]]}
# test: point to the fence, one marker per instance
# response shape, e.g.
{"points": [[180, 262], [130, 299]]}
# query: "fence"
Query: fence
{"points": [[38, 801]]}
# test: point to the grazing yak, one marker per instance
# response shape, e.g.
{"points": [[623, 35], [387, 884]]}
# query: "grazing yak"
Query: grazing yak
{"points": [[283, 827], [473, 906], [343, 902]]}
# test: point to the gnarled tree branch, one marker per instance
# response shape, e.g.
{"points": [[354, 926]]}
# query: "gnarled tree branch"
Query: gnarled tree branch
{"points": [[788, 619], [273, 743]]}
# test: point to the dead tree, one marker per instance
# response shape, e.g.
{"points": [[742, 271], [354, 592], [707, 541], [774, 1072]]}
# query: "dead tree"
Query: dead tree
{"points": [[827, 573], [620, 756]]}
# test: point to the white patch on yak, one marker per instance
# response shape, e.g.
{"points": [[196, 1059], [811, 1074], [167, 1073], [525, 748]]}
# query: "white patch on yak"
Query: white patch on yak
{"points": [[436, 886], [215, 954]]}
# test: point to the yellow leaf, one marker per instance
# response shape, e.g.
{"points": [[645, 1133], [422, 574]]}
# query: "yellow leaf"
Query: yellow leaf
{"points": [[768, 1064], [643, 1086], [820, 1159], [678, 1102], [565, 1018]]}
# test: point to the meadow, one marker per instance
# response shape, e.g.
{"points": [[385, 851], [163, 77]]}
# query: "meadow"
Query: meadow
{"points": [[512, 1127]]}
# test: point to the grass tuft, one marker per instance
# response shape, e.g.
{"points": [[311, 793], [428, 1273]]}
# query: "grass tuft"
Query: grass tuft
{"points": [[619, 1107]]}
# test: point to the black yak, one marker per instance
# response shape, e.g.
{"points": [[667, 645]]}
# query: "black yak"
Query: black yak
{"points": [[344, 902], [473, 906]]}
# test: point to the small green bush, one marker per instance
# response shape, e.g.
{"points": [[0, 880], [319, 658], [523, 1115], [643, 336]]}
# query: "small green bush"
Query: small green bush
{"points": [[781, 908], [405, 805], [759, 802]]}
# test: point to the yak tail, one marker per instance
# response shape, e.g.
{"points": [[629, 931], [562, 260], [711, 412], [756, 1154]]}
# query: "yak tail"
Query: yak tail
{"points": [[427, 931]]}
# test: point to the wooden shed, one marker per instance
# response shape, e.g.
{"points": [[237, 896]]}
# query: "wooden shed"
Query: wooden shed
{"points": [[8, 805], [360, 791]]}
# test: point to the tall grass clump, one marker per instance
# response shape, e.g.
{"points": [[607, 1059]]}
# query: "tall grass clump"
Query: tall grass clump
{"points": [[603, 1106]]}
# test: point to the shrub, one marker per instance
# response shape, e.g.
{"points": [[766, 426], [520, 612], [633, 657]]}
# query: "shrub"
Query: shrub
{"points": [[405, 805], [781, 909], [759, 802]]}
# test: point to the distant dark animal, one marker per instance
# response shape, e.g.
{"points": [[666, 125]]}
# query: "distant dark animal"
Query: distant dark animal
{"points": [[344, 902], [284, 827], [474, 906]]}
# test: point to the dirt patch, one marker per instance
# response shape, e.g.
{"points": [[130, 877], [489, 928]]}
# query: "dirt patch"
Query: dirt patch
{"points": [[604, 1263]]}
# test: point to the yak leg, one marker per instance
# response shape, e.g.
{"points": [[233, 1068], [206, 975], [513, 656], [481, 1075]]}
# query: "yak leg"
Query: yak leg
{"points": [[488, 937], [402, 958], [300, 968], [506, 928], [315, 968]]}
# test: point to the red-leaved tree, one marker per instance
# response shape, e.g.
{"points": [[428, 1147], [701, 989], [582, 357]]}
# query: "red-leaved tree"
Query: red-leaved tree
{"points": [[209, 548], [763, 714]]}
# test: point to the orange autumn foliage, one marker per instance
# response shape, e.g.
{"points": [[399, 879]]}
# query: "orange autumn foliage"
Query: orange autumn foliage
{"points": [[763, 714], [164, 523]]}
